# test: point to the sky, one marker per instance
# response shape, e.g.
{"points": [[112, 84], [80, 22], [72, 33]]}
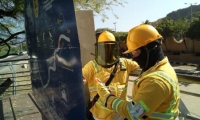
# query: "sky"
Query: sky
{"points": [[135, 12]]}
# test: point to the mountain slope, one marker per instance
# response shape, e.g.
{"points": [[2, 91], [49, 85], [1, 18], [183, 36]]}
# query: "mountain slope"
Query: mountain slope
{"points": [[185, 12]]}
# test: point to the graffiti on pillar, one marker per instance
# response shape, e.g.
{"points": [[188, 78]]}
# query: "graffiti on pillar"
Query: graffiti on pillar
{"points": [[54, 51]]}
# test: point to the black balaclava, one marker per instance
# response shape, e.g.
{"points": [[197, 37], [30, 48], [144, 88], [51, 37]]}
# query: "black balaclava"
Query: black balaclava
{"points": [[150, 55]]}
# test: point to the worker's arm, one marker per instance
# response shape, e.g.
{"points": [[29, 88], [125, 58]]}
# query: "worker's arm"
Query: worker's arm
{"points": [[148, 98], [88, 73], [131, 65]]}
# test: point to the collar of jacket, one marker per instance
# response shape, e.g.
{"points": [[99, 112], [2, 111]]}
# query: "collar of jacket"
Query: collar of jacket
{"points": [[155, 67]]}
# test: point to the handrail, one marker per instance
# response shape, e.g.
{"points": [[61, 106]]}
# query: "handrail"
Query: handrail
{"points": [[14, 75], [4, 61], [13, 64], [16, 72], [14, 78]]}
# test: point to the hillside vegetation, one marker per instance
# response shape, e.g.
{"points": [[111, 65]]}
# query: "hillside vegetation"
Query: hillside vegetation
{"points": [[184, 13]]}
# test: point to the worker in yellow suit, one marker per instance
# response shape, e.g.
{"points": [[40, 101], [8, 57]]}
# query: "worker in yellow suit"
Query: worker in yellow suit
{"points": [[106, 57], [155, 94]]}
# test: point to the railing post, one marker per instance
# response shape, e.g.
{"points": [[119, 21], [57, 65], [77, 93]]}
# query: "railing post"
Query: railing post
{"points": [[14, 78]]}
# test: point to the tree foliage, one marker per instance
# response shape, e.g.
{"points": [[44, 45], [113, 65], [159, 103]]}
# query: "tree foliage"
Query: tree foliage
{"points": [[12, 20], [120, 36], [165, 28], [170, 28], [98, 6], [181, 26], [103, 29], [147, 22], [194, 29], [175, 29]]}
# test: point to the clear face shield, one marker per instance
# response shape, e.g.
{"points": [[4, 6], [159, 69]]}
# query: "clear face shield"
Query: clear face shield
{"points": [[106, 53]]}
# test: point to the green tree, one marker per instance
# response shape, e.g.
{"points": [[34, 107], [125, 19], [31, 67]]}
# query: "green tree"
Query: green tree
{"points": [[99, 7], [180, 27], [103, 29], [179, 30], [147, 22], [176, 29], [24, 47], [120, 36], [165, 28], [11, 15], [194, 29]]}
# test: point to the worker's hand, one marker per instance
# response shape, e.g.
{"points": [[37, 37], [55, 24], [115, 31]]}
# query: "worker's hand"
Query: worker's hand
{"points": [[102, 90]]}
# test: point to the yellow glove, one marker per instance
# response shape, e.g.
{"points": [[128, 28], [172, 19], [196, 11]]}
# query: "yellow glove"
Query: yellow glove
{"points": [[102, 90]]}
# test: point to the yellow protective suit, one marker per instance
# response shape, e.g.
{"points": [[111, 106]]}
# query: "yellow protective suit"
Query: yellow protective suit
{"points": [[118, 85], [155, 95]]}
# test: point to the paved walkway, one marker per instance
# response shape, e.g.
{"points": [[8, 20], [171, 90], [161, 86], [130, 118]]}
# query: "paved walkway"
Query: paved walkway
{"points": [[19, 107]]}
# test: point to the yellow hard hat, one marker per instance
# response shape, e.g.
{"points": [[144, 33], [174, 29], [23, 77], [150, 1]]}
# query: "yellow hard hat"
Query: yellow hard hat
{"points": [[106, 50], [140, 36], [106, 37]]}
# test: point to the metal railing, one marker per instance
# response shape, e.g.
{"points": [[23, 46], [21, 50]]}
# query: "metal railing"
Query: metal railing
{"points": [[14, 78]]}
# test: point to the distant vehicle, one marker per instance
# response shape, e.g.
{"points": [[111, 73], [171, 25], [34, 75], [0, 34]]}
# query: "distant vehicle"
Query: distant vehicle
{"points": [[20, 53]]}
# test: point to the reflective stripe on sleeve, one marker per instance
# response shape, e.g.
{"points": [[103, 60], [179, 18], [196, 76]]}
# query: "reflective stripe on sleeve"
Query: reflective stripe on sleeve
{"points": [[144, 106], [92, 89], [115, 104], [163, 116], [111, 88]]}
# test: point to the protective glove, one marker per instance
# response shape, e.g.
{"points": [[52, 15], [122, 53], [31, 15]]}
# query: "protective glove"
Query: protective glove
{"points": [[103, 91]]}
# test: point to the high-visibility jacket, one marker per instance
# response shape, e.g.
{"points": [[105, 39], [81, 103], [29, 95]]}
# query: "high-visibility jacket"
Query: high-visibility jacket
{"points": [[155, 95], [118, 85]]}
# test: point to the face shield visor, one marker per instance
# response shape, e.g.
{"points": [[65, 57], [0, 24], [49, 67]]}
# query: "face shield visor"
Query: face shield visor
{"points": [[106, 53]]}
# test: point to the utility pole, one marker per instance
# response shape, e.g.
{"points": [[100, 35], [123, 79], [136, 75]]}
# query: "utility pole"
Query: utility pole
{"points": [[191, 9], [115, 25], [191, 42], [20, 45]]}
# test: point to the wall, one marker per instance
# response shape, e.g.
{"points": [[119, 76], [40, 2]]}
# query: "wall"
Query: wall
{"points": [[197, 46], [192, 46], [184, 54], [173, 46], [86, 33], [187, 57]]}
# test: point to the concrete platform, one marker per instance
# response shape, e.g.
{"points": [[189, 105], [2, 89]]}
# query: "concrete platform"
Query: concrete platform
{"points": [[19, 107]]}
